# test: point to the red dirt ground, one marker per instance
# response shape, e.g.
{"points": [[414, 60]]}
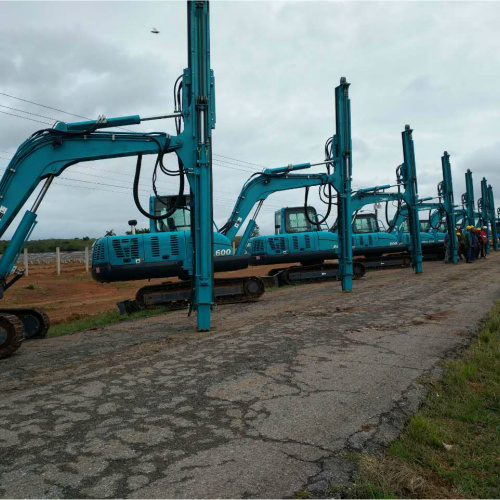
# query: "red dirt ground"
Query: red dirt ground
{"points": [[74, 294]]}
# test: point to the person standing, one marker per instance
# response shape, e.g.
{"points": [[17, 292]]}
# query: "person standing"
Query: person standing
{"points": [[483, 238], [462, 252], [469, 244]]}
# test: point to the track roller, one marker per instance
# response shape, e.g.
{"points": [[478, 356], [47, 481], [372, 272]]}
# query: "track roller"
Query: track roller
{"points": [[35, 322], [177, 295], [386, 261], [319, 272], [11, 334]]}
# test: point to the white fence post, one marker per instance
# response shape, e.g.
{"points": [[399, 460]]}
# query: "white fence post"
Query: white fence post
{"points": [[26, 262], [87, 258], [58, 261]]}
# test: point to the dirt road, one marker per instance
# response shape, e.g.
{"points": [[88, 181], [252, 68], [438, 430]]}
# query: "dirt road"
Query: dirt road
{"points": [[267, 403]]}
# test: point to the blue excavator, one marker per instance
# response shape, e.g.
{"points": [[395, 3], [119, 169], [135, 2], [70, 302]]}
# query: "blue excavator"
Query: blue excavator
{"points": [[442, 215], [432, 229], [300, 238], [165, 251], [49, 152]]}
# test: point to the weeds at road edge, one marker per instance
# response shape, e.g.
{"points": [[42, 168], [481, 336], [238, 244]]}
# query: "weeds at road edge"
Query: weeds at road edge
{"points": [[451, 447], [98, 320]]}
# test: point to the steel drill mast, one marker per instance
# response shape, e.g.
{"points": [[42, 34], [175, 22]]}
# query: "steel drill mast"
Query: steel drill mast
{"points": [[492, 214], [468, 199], [198, 112], [409, 175], [341, 155], [445, 189]]}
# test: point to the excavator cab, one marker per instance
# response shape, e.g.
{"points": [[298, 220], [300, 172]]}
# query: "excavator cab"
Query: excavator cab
{"points": [[370, 239], [432, 239], [294, 220], [296, 239], [365, 223]]}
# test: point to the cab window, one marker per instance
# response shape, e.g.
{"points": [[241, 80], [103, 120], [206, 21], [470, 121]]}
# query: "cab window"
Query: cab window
{"points": [[296, 221], [424, 226], [277, 222], [178, 221], [364, 225]]}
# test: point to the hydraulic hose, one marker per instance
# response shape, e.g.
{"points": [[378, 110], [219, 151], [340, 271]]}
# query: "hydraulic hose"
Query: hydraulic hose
{"points": [[136, 194], [390, 226], [329, 209], [328, 156], [439, 219]]}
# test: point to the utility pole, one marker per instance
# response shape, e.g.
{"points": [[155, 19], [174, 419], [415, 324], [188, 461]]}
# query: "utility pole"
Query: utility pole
{"points": [[87, 259], [26, 272], [58, 261]]}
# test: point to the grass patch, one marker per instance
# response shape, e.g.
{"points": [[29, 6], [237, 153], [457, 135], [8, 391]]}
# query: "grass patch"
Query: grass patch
{"points": [[98, 320], [451, 448]]}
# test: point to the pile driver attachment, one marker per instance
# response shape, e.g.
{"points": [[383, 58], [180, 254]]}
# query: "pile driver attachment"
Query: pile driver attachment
{"points": [[48, 152], [449, 204], [254, 192]]}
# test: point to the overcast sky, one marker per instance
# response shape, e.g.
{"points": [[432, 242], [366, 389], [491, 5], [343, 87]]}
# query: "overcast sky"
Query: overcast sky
{"points": [[434, 65]]}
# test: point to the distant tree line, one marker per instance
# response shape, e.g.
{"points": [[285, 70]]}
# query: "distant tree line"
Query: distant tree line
{"points": [[49, 245]]}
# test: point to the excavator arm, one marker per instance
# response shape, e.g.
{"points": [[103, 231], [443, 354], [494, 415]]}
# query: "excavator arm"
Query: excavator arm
{"points": [[258, 188], [368, 196], [46, 154]]}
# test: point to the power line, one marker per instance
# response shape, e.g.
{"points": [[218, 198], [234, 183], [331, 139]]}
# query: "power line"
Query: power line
{"points": [[130, 176], [241, 161], [25, 117], [251, 169], [242, 169], [241, 165], [220, 163], [228, 200], [86, 118], [217, 201], [43, 105], [28, 113]]}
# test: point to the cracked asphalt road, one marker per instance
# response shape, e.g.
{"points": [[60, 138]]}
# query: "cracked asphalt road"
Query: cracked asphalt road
{"points": [[265, 404]]}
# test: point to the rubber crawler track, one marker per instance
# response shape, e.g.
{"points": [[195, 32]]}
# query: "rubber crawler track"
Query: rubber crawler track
{"points": [[15, 334], [253, 289], [284, 278], [37, 322]]}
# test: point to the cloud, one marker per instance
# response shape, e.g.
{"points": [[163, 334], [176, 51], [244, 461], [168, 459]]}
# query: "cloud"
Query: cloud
{"points": [[432, 65]]}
